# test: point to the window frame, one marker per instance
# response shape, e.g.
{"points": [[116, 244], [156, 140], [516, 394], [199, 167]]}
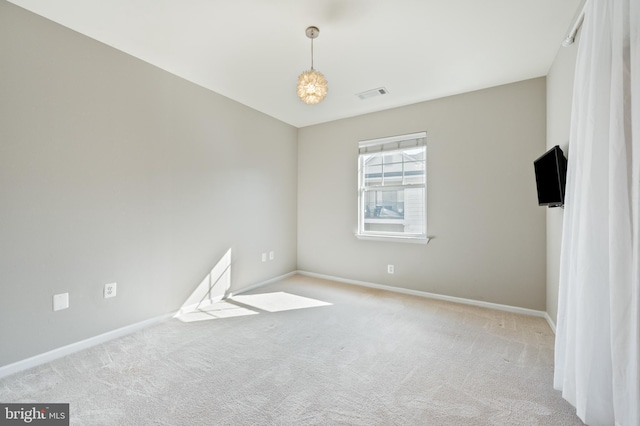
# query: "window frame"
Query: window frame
{"points": [[400, 143]]}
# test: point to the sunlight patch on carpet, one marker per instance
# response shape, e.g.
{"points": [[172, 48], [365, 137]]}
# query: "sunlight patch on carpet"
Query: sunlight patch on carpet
{"points": [[278, 301], [215, 311]]}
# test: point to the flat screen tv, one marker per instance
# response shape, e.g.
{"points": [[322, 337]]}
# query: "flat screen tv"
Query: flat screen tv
{"points": [[551, 177]]}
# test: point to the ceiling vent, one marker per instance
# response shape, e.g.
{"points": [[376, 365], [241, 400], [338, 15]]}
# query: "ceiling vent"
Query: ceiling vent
{"points": [[372, 93]]}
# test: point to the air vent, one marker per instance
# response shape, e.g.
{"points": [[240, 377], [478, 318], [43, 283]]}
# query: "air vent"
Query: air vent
{"points": [[372, 93]]}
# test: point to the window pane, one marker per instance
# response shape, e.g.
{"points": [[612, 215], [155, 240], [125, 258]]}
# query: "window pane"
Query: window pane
{"points": [[414, 154], [392, 157], [392, 174], [373, 176], [414, 215], [414, 172], [384, 204], [372, 159], [400, 211], [398, 167], [414, 166]]}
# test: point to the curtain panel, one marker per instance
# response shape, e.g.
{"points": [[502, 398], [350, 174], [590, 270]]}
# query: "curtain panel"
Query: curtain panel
{"points": [[597, 356]]}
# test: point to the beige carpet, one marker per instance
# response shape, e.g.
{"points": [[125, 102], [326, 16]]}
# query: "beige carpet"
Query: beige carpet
{"points": [[306, 351]]}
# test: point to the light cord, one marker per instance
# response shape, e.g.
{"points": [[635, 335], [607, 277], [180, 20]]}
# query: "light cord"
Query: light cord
{"points": [[312, 53]]}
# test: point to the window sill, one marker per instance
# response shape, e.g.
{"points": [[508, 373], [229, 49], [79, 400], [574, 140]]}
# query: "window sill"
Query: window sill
{"points": [[393, 239]]}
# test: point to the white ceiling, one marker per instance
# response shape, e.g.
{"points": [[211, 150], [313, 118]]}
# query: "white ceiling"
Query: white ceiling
{"points": [[252, 51]]}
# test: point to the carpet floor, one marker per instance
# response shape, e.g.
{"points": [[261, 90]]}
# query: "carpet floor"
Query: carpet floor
{"points": [[306, 351]]}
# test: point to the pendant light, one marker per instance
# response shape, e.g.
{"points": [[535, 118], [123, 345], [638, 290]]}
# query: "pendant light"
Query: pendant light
{"points": [[312, 86]]}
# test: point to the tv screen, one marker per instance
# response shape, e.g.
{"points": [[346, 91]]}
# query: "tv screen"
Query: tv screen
{"points": [[551, 176]]}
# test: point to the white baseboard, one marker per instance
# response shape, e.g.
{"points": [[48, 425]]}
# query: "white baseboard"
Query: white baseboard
{"points": [[54, 354], [497, 306], [550, 322], [57, 353]]}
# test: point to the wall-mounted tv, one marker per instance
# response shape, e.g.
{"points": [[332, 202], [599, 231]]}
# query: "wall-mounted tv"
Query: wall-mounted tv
{"points": [[551, 177]]}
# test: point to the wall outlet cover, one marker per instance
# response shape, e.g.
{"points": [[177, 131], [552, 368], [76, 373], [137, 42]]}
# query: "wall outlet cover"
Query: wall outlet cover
{"points": [[109, 290], [60, 301]]}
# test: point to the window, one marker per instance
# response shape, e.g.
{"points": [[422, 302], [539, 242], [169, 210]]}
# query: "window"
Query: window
{"points": [[392, 182]]}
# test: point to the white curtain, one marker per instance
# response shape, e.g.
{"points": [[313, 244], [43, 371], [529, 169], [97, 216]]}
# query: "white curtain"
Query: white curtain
{"points": [[597, 358]]}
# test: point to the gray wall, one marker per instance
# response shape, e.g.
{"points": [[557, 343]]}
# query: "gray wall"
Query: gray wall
{"points": [[559, 97], [489, 233], [114, 170]]}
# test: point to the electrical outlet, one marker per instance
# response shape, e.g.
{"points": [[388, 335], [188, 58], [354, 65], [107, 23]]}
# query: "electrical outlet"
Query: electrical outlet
{"points": [[60, 301], [264, 257], [272, 255], [109, 290], [390, 269]]}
